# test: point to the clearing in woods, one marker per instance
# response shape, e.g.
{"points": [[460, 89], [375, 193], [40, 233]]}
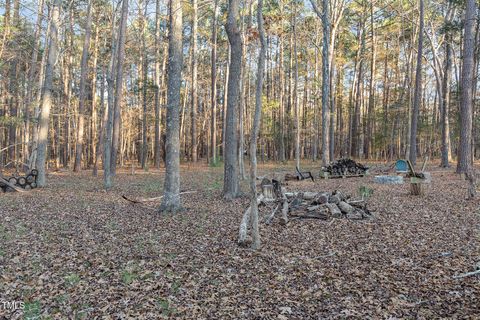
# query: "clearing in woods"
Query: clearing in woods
{"points": [[74, 249]]}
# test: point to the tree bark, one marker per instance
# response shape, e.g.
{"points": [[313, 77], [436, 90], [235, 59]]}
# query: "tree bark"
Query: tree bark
{"points": [[118, 86], [213, 94], [256, 129], [82, 96], [194, 98], [417, 97], [230, 183], [465, 149], [47, 95], [171, 199]]}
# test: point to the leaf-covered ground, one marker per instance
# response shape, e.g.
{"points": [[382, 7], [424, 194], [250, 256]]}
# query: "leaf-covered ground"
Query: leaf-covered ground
{"points": [[72, 250]]}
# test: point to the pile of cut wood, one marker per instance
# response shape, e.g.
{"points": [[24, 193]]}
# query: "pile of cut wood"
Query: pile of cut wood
{"points": [[274, 201], [19, 183], [345, 168], [325, 205]]}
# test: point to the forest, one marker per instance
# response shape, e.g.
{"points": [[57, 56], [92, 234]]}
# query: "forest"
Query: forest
{"points": [[178, 159]]}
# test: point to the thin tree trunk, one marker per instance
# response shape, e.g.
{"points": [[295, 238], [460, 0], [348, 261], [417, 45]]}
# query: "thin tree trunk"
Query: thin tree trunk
{"points": [[255, 130], [194, 98], [156, 153], [417, 97], [82, 97], [213, 94], [119, 86]]}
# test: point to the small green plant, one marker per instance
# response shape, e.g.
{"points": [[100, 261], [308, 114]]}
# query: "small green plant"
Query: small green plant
{"points": [[32, 310], [365, 192], [72, 279]]}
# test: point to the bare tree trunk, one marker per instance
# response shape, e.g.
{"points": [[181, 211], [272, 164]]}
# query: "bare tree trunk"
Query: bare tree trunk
{"points": [[156, 153], [31, 79], [213, 94], [83, 79], [118, 86], [109, 111], [295, 90], [256, 129], [194, 98], [417, 97], [325, 82], [230, 183], [47, 95], [371, 97], [171, 199], [144, 158], [281, 101], [465, 149], [447, 77]]}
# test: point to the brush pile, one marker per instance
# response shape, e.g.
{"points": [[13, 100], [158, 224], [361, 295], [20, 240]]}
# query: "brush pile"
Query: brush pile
{"points": [[301, 205]]}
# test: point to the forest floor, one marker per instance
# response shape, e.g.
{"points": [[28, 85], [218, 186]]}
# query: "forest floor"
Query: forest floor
{"points": [[73, 250]]}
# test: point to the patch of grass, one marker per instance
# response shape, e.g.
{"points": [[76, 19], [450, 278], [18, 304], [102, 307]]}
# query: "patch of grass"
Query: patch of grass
{"points": [[165, 307], [216, 164], [83, 312], [129, 274], [152, 186], [32, 310], [72, 279], [176, 285], [128, 277], [2, 253], [112, 225], [61, 298], [21, 229], [4, 234]]}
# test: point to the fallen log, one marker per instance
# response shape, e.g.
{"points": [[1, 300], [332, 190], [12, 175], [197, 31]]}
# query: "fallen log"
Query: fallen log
{"points": [[272, 215], [334, 210], [468, 274], [142, 200], [345, 207], [284, 217], [242, 233]]}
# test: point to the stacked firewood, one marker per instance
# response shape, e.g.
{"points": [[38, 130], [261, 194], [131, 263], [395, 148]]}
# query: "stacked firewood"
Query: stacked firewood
{"points": [[345, 167], [18, 183]]}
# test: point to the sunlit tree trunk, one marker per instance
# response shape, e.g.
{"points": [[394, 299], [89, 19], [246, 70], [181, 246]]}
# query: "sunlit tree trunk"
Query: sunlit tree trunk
{"points": [[47, 95]]}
